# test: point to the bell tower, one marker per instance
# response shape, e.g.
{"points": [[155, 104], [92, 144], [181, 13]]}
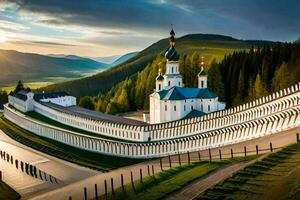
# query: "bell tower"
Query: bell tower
{"points": [[172, 76], [202, 75]]}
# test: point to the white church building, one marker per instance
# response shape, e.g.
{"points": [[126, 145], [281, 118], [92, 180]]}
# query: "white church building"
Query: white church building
{"points": [[172, 101]]}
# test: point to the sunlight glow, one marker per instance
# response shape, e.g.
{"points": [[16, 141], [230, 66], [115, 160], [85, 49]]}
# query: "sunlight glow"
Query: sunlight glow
{"points": [[3, 37]]}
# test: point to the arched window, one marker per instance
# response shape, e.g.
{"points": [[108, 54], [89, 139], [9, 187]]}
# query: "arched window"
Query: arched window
{"points": [[169, 83], [184, 107], [208, 108], [192, 107], [174, 108], [202, 84], [179, 83], [166, 107], [172, 70], [159, 86]]}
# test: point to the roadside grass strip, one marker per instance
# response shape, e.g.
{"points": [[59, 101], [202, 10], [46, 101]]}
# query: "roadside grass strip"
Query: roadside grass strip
{"points": [[276, 176], [165, 182], [168, 181], [7, 193]]}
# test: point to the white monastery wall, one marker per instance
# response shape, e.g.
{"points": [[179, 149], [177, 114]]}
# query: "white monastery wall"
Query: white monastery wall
{"points": [[268, 115]]}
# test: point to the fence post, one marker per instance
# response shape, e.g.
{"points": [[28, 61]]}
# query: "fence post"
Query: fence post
{"points": [[85, 194], [96, 191], [112, 185], [179, 159], [170, 164], [271, 147], [256, 149], [209, 154], [148, 168], [231, 152], [220, 153], [161, 167], [122, 182], [141, 174], [189, 159], [17, 163], [105, 188], [245, 151], [199, 156], [152, 170], [131, 178]]}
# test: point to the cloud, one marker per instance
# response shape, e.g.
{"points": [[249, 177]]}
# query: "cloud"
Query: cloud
{"points": [[44, 43], [11, 26]]}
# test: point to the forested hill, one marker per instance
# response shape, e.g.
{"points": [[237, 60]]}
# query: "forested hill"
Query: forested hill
{"points": [[211, 46], [240, 77]]}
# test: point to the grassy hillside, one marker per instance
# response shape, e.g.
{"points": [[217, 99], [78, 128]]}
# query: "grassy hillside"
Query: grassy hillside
{"points": [[275, 177], [211, 46], [29, 67]]}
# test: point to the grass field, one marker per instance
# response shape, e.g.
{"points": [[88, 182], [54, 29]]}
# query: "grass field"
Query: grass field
{"points": [[65, 152], [7, 193], [32, 85], [275, 177], [41, 118], [165, 182], [169, 181]]}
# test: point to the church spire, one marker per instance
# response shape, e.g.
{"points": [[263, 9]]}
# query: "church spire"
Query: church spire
{"points": [[172, 37], [171, 54]]}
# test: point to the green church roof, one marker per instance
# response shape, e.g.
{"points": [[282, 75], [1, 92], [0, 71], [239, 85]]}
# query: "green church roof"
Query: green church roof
{"points": [[179, 93], [171, 54], [159, 77]]}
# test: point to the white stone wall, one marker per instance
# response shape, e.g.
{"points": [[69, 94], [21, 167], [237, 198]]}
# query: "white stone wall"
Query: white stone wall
{"points": [[62, 101], [274, 110], [265, 116]]}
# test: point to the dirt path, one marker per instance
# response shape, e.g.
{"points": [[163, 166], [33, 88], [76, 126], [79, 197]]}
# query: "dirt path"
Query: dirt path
{"points": [[197, 187]]}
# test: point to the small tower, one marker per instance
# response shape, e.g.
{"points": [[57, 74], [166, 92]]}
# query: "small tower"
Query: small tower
{"points": [[159, 81], [172, 77], [202, 76]]}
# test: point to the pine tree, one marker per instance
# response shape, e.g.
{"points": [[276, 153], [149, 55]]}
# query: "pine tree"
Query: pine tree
{"points": [[259, 87], [215, 82], [86, 102], [123, 101]]}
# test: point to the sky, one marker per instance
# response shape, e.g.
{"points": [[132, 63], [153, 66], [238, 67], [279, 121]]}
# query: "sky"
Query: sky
{"points": [[99, 28]]}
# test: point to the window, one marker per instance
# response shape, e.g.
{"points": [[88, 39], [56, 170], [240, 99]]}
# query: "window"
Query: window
{"points": [[184, 107], [202, 84], [192, 107], [179, 83], [169, 83], [172, 70], [208, 108], [159, 86], [166, 108], [174, 108]]}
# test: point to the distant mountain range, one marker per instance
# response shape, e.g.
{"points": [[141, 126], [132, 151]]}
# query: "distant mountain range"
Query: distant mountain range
{"points": [[209, 45], [124, 58], [116, 59], [52, 68]]}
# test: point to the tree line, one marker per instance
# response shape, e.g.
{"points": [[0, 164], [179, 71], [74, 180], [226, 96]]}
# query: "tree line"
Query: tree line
{"points": [[240, 77]]}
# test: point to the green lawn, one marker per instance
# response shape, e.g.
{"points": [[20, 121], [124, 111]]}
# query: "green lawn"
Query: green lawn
{"points": [[7, 193], [41, 118], [168, 181], [85, 158], [275, 177]]}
